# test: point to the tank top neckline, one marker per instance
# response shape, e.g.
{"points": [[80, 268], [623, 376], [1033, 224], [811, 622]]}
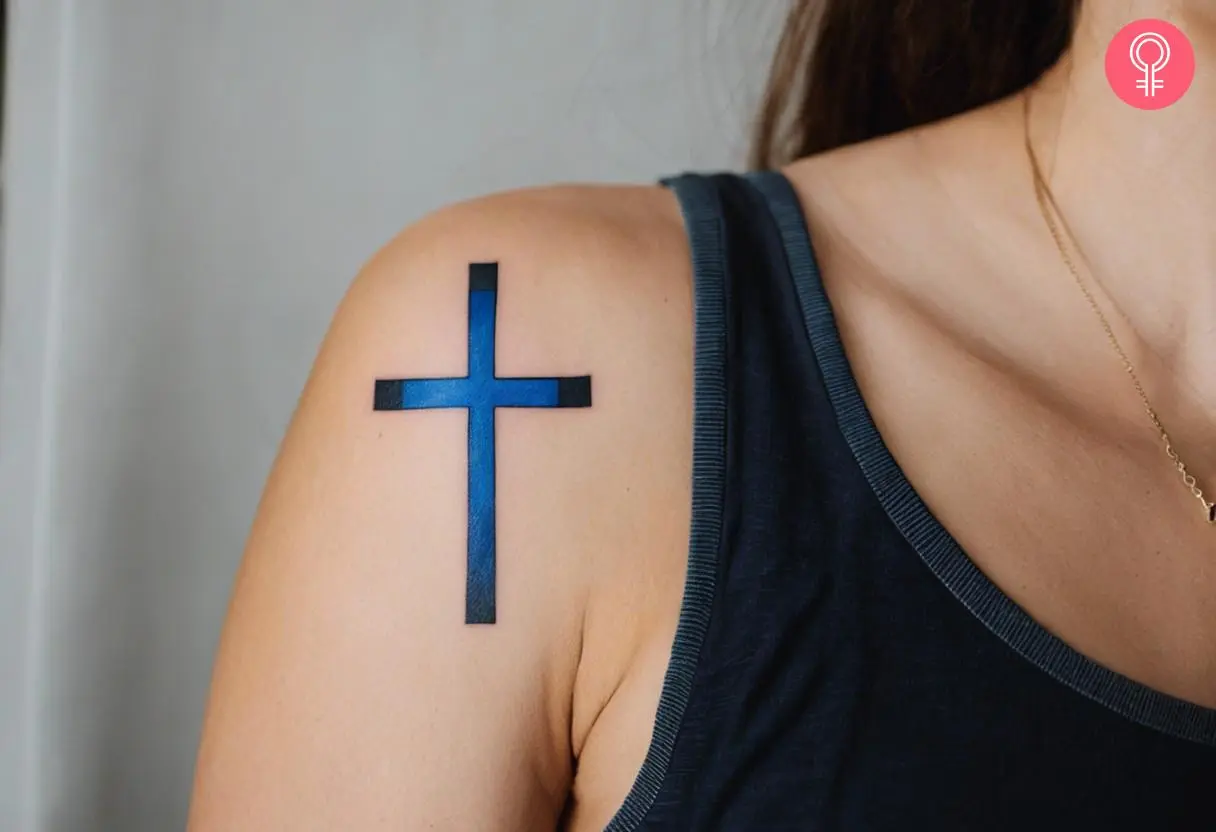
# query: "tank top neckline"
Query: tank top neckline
{"points": [[944, 556], [709, 205]]}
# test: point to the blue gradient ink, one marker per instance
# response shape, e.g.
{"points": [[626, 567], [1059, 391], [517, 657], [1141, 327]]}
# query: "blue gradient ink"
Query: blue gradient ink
{"points": [[481, 393]]}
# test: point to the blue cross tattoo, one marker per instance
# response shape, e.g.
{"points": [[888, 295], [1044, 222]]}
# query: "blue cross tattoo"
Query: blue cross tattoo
{"points": [[481, 393]]}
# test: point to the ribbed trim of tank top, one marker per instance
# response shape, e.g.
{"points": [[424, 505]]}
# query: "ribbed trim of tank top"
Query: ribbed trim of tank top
{"points": [[936, 547], [705, 226]]}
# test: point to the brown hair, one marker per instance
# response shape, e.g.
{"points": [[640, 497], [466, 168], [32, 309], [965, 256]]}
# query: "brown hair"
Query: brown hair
{"points": [[850, 70]]}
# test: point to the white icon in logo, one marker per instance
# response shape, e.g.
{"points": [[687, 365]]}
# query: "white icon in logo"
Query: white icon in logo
{"points": [[1150, 83]]}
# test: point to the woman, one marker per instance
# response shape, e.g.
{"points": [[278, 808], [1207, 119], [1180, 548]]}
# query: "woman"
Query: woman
{"points": [[887, 540]]}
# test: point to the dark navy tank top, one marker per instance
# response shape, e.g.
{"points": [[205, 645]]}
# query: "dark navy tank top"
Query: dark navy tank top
{"points": [[839, 663]]}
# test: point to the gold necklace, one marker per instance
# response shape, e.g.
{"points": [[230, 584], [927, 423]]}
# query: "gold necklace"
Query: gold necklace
{"points": [[1047, 204]]}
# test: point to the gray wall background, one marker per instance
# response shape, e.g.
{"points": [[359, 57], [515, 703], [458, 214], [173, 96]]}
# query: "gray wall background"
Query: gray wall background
{"points": [[189, 186]]}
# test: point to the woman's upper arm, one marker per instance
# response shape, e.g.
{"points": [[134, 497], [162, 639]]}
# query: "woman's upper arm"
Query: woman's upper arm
{"points": [[349, 691]]}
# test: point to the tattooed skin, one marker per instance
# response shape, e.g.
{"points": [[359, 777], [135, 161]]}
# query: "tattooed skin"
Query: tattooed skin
{"points": [[481, 392]]}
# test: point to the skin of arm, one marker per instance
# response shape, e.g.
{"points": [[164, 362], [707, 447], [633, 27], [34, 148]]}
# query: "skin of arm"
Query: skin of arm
{"points": [[348, 693]]}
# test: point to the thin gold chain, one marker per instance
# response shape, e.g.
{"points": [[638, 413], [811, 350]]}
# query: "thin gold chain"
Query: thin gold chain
{"points": [[1047, 205]]}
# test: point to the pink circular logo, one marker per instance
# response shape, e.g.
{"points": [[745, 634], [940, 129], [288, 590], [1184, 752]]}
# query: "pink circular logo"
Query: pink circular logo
{"points": [[1150, 64]]}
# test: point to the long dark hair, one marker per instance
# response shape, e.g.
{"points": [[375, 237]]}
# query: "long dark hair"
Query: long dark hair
{"points": [[850, 70]]}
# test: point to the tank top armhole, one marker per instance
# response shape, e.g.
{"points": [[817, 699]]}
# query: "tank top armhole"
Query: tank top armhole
{"points": [[704, 223]]}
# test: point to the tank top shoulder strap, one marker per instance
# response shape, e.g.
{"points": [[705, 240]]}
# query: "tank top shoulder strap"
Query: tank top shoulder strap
{"points": [[741, 284], [853, 416], [702, 205]]}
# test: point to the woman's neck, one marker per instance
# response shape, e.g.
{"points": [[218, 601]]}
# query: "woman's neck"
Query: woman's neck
{"points": [[1138, 189]]}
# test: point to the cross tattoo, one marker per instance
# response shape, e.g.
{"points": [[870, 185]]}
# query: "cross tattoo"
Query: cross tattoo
{"points": [[481, 392]]}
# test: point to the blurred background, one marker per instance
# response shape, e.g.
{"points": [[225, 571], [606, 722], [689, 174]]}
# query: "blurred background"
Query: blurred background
{"points": [[188, 187]]}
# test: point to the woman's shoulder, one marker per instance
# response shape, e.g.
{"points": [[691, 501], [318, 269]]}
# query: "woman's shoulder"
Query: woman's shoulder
{"points": [[552, 513], [589, 281], [554, 509], [593, 229]]}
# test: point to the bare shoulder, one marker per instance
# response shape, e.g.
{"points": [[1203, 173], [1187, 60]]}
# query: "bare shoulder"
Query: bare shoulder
{"points": [[592, 280], [478, 513], [594, 228], [586, 273], [911, 206], [928, 236]]}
